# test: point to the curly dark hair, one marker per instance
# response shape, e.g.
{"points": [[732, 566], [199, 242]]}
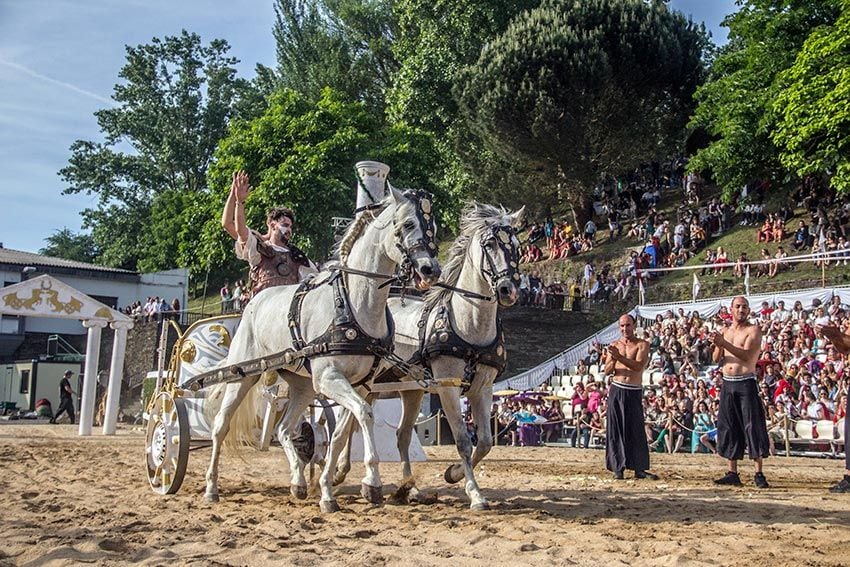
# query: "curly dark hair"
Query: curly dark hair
{"points": [[279, 212]]}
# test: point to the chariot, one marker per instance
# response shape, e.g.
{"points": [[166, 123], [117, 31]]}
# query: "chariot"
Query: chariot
{"points": [[180, 411]]}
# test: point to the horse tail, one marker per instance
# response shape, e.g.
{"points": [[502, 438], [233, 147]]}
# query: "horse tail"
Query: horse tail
{"points": [[246, 421]]}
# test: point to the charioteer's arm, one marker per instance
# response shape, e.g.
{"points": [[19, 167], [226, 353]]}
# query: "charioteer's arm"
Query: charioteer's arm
{"points": [[227, 219]]}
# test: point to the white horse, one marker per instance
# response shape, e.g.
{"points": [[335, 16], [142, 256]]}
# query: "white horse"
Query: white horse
{"points": [[397, 232], [461, 338]]}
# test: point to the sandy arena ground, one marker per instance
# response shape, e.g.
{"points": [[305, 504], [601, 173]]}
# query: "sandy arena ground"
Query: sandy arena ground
{"points": [[66, 500]]}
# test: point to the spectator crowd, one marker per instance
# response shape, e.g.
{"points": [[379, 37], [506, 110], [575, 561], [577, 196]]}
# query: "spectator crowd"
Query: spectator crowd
{"points": [[799, 373]]}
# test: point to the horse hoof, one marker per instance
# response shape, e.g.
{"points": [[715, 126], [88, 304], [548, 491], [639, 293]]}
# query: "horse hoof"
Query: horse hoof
{"points": [[448, 475], [297, 491], [479, 507], [372, 494], [328, 506], [339, 478], [413, 495], [210, 497]]}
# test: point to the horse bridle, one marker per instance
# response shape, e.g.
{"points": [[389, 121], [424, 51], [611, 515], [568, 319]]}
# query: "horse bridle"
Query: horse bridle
{"points": [[503, 236], [425, 218]]}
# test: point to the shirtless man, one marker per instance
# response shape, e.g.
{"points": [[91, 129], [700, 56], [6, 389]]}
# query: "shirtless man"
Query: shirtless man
{"points": [[274, 260], [741, 419], [841, 342], [625, 360]]}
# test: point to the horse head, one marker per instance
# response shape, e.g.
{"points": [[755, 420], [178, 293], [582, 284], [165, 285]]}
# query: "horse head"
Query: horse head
{"points": [[497, 251], [414, 245]]}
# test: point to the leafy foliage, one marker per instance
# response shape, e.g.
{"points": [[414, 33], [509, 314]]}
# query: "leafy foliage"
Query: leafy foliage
{"points": [[735, 105], [341, 44], [576, 89], [65, 243], [302, 155], [813, 106], [173, 106]]}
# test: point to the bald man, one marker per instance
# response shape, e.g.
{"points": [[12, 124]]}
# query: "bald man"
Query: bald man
{"points": [[741, 420], [841, 342], [625, 446]]}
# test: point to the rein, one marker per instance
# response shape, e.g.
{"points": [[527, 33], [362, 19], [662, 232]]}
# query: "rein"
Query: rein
{"points": [[465, 292]]}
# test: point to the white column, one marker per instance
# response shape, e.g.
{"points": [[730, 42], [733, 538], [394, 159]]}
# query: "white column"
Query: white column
{"points": [[116, 375], [90, 376]]}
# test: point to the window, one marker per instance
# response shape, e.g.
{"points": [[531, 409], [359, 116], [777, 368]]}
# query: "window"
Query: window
{"points": [[25, 381]]}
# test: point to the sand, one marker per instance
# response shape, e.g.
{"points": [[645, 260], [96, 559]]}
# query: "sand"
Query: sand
{"points": [[66, 500]]}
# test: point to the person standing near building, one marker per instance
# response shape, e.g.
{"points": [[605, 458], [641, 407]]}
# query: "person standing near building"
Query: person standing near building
{"points": [[625, 446], [66, 401], [741, 421]]}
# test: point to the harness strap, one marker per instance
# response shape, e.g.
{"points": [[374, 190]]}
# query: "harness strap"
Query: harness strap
{"points": [[344, 334]]}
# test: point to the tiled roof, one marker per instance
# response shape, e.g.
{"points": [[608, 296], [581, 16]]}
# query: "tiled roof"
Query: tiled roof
{"points": [[9, 256]]}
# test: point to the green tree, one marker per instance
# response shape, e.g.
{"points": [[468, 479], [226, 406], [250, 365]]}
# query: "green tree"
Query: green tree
{"points": [[812, 109], [735, 104], [172, 107], [341, 44], [66, 243], [577, 89], [434, 42], [302, 154]]}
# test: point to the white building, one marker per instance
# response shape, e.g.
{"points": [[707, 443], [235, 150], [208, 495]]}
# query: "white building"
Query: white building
{"points": [[111, 286]]}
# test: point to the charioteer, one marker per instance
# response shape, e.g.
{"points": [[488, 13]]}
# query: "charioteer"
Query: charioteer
{"points": [[273, 259]]}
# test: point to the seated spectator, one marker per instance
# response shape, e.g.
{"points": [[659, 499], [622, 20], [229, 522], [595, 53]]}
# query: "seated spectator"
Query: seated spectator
{"points": [[554, 421], [801, 237], [777, 229], [765, 233], [764, 266], [720, 261], [741, 265], [778, 262]]}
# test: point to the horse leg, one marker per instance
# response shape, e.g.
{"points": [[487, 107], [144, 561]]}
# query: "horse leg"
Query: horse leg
{"points": [[481, 404], [345, 423], [450, 399], [233, 396], [300, 396], [411, 400], [331, 383]]}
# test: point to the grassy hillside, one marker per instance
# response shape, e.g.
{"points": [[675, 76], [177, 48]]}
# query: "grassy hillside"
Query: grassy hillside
{"points": [[676, 286]]}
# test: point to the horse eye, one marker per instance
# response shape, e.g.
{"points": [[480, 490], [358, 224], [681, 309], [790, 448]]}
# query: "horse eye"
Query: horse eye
{"points": [[409, 225]]}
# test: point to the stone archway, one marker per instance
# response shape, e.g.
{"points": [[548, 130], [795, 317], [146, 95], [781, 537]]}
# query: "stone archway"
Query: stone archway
{"points": [[45, 296]]}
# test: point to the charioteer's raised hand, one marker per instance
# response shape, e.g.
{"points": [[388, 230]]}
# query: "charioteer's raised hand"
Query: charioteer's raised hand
{"points": [[240, 186]]}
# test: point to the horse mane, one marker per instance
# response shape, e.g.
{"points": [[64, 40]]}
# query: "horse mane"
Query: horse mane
{"points": [[474, 217], [342, 249]]}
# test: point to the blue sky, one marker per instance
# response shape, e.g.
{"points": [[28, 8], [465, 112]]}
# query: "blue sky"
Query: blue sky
{"points": [[59, 60]]}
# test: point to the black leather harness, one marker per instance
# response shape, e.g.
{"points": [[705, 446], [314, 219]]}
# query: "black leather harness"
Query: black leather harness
{"points": [[443, 340], [344, 335]]}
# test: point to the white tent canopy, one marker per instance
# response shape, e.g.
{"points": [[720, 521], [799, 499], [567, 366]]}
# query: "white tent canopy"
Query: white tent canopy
{"points": [[706, 308], [45, 296]]}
